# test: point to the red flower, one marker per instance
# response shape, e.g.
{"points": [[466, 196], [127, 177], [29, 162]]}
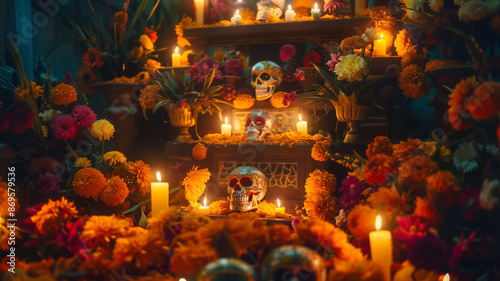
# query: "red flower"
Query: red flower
{"points": [[22, 119], [410, 228], [460, 248], [92, 58], [335, 58], [289, 98], [48, 183], [64, 127], [377, 170], [4, 121], [287, 52], [311, 58], [84, 116], [299, 75], [426, 252], [151, 34]]}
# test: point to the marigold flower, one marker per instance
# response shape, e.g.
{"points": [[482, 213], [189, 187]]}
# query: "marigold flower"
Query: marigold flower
{"points": [[160, 223], [360, 221], [100, 231], [406, 149], [64, 127], [86, 76], [391, 201], [115, 192], [266, 209], [351, 67], [141, 251], [151, 66], [277, 100], [21, 119], [320, 180], [143, 176], [83, 115], [321, 204], [287, 52], [195, 183], [199, 152], [220, 207], [413, 173], [380, 144], [402, 42], [21, 94], [63, 94], [92, 58], [53, 215], [426, 210], [243, 101], [114, 157], [412, 81], [353, 42], [188, 259], [445, 185], [83, 162], [319, 153], [360, 270], [481, 104], [102, 130], [458, 96], [378, 168], [151, 34], [88, 182]]}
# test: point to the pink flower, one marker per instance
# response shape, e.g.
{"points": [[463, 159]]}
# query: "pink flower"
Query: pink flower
{"points": [[48, 183], [410, 228], [233, 67], [352, 189], [300, 75], [4, 121], [181, 104], [68, 237], [311, 58], [64, 127], [287, 52], [459, 250], [289, 98], [335, 58], [84, 116], [21, 119], [331, 5], [68, 79]]}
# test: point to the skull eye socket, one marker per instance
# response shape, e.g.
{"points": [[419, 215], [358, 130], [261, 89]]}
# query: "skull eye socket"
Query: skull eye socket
{"points": [[246, 181], [254, 77], [233, 182], [265, 76], [259, 121], [249, 121]]}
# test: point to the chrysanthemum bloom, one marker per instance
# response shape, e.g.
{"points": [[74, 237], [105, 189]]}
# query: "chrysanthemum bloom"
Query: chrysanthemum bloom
{"points": [[64, 127], [21, 94], [320, 180], [404, 150], [63, 94], [220, 207], [195, 183], [287, 52], [151, 66], [53, 215], [83, 162], [114, 157], [413, 173], [21, 119], [319, 153], [352, 189], [115, 192], [377, 170], [243, 101], [380, 144], [481, 104], [410, 228], [489, 197], [84, 116], [390, 200], [457, 101], [289, 98], [199, 152], [351, 67], [312, 58], [445, 185], [427, 210], [141, 251], [402, 42], [360, 221], [333, 61], [143, 176], [427, 252], [412, 81], [353, 42], [102, 130], [47, 183], [188, 259], [321, 204], [88, 182], [151, 34], [466, 156], [362, 270], [5, 118], [92, 58], [101, 231]]}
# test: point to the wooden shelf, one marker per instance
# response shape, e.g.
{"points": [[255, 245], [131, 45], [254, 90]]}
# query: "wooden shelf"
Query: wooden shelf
{"points": [[326, 29]]}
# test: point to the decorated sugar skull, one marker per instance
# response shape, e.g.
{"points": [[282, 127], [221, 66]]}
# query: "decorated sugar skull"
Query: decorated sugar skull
{"points": [[268, 8], [258, 124], [228, 269], [247, 186], [266, 76]]}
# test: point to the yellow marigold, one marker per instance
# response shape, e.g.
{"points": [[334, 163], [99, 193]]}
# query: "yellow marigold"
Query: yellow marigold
{"points": [[413, 173], [319, 153], [361, 270], [186, 22], [321, 204], [63, 94], [353, 42], [53, 215], [266, 209], [146, 42], [277, 100], [159, 224], [195, 183], [115, 192], [390, 200], [101, 231], [402, 42], [445, 186], [83, 162], [412, 81], [361, 221], [325, 234], [102, 130], [141, 251], [243, 101], [21, 94], [320, 180], [193, 221], [381, 144], [199, 152], [114, 157], [351, 67], [425, 209], [190, 258], [151, 66], [220, 207], [88, 182], [143, 176]]}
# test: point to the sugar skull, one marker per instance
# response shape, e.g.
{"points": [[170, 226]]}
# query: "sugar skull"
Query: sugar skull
{"points": [[258, 124], [247, 186], [228, 269], [266, 76], [268, 8]]}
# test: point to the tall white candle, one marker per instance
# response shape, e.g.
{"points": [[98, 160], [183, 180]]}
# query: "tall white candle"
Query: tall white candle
{"points": [[159, 195], [289, 14], [446, 277], [381, 248], [236, 19], [176, 58], [200, 11], [301, 126], [226, 129]]}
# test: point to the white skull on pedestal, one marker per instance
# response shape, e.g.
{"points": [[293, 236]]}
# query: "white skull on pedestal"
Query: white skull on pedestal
{"points": [[268, 8], [259, 124], [247, 186], [266, 76]]}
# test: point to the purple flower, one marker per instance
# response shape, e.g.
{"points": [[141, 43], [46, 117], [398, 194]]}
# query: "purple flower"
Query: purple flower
{"points": [[392, 71], [459, 250], [201, 69], [410, 228], [352, 189], [233, 67], [426, 252], [48, 183], [68, 79]]}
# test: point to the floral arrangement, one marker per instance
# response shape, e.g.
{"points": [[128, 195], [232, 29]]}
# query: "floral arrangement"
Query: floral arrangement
{"points": [[292, 72]]}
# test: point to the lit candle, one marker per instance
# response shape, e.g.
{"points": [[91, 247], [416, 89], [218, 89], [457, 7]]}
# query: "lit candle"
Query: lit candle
{"points": [[301, 126], [176, 58], [159, 195], [379, 47], [204, 209], [381, 248], [226, 129], [315, 12], [200, 11], [359, 5], [289, 14], [236, 18], [279, 212], [446, 277]]}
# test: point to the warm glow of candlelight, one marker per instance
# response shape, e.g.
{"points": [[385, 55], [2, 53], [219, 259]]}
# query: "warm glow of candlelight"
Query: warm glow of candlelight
{"points": [[226, 119], [205, 201], [378, 223], [278, 202], [289, 7], [315, 6], [300, 117], [446, 277], [381, 35], [176, 50], [158, 176], [237, 12], [182, 279]]}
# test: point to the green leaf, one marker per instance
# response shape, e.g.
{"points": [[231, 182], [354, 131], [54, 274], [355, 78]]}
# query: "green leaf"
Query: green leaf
{"points": [[360, 158], [160, 104], [134, 208]]}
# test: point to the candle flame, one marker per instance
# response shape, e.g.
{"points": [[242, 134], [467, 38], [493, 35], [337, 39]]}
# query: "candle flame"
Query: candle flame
{"points": [[381, 35], [182, 279], [205, 201], [289, 7], [378, 223], [177, 50], [158, 176], [300, 117], [278, 203], [315, 6], [446, 277], [237, 12], [226, 120]]}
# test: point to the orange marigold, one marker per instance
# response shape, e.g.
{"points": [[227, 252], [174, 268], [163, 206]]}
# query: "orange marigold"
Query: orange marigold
{"points": [[195, 183], [378, 168], [188, 259], [402, 42], [99, 265], [115, 192], [412, 81], [425, 209], [406, 149], [444, 184], [321, 204], [380, 144], [484, 101], [390, 200], [143, 176], [88, 182], [320, 180], [353, 42], [243, 101], [199, 151], [151, 66], [457, 110], [413, 173], [360, 221], [220, 207], [63, 94], [319, 153], [53, 215], [21, 94], [160, 223], [362, 270], [100, 231], [266, 209], [141, 251]]}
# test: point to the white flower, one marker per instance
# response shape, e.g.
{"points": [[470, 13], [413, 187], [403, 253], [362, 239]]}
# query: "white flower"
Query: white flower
{"points": [[436, 5], [48, 115], [465, 157], [490, 194]]}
